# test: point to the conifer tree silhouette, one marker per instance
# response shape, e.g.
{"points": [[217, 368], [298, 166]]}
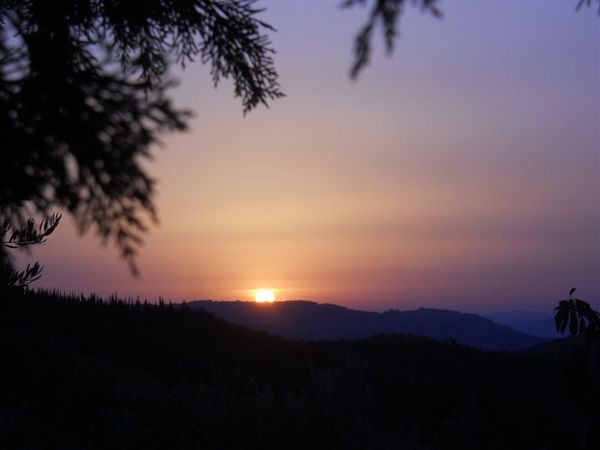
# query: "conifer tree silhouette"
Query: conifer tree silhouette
{"points": [[83, 100]]}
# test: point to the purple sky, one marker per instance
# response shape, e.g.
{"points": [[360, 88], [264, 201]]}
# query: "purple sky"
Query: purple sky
{"points": [[462, 172]]}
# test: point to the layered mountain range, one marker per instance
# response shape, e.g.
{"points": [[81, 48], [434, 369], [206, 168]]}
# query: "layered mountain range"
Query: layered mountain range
{"points": [[305, 320]]}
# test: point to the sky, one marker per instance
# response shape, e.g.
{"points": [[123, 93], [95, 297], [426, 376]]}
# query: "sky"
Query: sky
{"points": [[460, 172]]}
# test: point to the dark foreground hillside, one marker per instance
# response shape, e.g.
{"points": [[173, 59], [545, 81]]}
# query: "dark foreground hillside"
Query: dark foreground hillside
{"points": [[80, 374]]}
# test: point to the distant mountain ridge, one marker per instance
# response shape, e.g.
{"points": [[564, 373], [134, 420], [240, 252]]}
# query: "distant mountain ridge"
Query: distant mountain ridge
{"points": [[535, 323], [307, 320]]}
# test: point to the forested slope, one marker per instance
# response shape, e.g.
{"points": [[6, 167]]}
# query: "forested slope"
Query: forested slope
{"points": [[77, 373]]}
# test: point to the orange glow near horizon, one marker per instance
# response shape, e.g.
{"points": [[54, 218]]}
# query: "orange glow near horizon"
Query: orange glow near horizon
{"points": [[264, 296]]}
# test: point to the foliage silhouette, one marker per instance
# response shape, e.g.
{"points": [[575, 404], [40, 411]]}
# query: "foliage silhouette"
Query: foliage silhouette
{"points": [[587, 3], [30, 234], [580, 319], [387, 13], [83, 99], [19, 238]]}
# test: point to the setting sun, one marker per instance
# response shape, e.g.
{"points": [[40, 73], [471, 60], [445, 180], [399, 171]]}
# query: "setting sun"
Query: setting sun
{"points": [[264, 296]]}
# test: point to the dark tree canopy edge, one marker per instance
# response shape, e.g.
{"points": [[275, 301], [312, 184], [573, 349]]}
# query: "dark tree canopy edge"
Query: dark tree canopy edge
{"points": [[83, 99]]}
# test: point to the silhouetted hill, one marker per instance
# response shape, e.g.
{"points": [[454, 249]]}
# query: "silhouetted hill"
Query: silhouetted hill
{"points": [[80, 373], [313, 321], [559, 349]]}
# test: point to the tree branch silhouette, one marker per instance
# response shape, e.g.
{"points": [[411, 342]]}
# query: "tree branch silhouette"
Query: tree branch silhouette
{"points": [[386, 14], [11, 238], [83, 100]]}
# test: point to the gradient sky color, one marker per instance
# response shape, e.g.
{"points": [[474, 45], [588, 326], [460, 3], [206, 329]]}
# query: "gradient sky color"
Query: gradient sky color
{"points": [[462, 172]]}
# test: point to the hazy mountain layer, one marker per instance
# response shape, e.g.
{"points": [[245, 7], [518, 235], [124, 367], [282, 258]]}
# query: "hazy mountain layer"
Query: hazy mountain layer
{"points": [[535, 323], [312, 321]]}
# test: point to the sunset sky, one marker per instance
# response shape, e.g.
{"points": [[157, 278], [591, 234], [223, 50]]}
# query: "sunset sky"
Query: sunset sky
{"points": [[462, 172]]}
